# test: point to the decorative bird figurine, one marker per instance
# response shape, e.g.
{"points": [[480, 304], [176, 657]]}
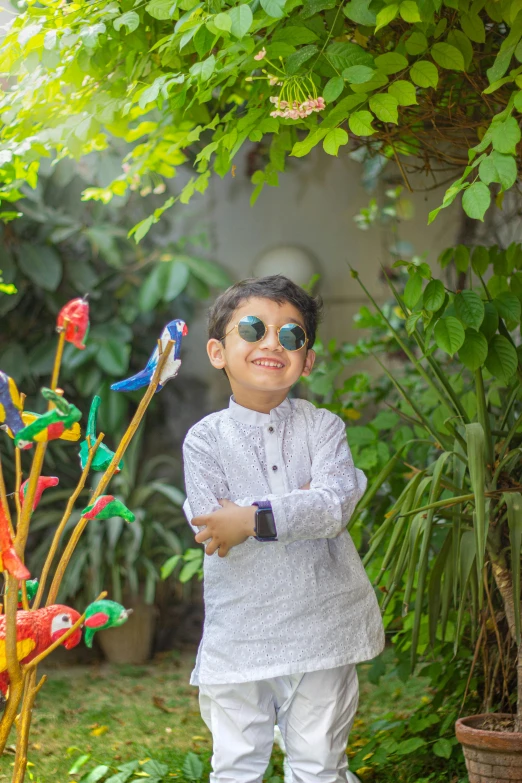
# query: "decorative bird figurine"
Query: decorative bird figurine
{"points": [[174, 330], [10, 405], [43, 483], [103, 456], [9, 560], [31, 587], [103, 614], [76, 312], [35, 632], [50, 425], [107, 506]]}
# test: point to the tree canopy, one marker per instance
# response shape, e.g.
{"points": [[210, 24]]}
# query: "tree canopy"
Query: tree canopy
{"points": [[434, 84]]}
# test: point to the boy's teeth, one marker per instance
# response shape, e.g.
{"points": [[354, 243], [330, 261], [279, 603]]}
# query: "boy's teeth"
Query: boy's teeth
{"points": [[267, 363]]}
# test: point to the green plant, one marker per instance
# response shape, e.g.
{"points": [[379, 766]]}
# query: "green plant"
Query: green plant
{"points": [[449, 548], [179, 82]]}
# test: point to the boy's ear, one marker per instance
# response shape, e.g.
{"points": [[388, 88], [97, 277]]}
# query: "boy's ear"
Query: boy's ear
{"points": [[216, 354], [309, 362]]}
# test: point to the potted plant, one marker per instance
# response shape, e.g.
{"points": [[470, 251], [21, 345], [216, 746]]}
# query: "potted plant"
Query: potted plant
{"points": [[450, 545]]}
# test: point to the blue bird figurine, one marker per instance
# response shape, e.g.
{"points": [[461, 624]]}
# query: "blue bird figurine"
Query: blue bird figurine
{"points": [[174, 330]]}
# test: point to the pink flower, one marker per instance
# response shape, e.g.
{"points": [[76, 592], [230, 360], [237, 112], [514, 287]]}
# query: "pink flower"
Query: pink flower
{"points": [[261, 54]]}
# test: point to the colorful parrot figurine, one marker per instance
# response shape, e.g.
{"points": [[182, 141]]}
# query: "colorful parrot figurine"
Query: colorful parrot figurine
{"points": [[103, 456], [43, 483], [103, 614], [174, 330], [50, 425], [9, 560], [108, 506], [10, 404], [77, 314], [35, 632]]}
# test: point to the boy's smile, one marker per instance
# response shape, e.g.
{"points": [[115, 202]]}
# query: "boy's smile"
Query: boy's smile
{"points": [[261, 373]]}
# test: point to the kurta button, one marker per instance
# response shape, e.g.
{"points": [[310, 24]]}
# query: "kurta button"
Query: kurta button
{"points": [[270, 429], [274, 467]]}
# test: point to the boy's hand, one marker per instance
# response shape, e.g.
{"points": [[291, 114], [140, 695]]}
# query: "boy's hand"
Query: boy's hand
{"points": [[225, 528]]}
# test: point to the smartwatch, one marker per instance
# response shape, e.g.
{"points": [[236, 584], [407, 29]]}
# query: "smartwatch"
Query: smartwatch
{"points": [[264, 525]]}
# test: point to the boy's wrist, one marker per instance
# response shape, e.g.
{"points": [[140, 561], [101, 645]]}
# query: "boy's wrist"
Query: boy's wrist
{"points": [[250, 520]]}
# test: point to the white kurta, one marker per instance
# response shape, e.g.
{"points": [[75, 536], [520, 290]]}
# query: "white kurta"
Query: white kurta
{"points": [[304, 602]]}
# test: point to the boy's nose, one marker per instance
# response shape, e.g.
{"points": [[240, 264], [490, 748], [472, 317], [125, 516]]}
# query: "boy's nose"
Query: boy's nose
{"points": [[271, 340]]}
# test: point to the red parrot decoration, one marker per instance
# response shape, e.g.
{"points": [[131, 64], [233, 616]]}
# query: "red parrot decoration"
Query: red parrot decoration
{"points": [[35, 632], [9, 560], [77, 314], [44, 482]]}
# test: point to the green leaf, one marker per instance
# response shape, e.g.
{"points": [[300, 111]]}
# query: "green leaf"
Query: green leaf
{"points": [[204, 69], [242, 19], [403, 92], [343, 55], [476, 200], [161, 9], [413, 290], [192, 767], [480, 259], [424, 74], [447, 56], [498, 168], [333, 88], [502, 359], [299, 58], [79, 763], [474, 350], [176, 280], [207, 272], [360, 123], [274, 8], [359, 12], [95, 775], [514, 509], [507, 306], [461, 258], [490, 323], [130, 20], [434, 295], [409, 746], [416, 44], [168, 567], [443, 748], [473, 26], [449, 334], [358, 74], [41, 264], [505, 136], [469, 308], [386, 15], [223, 22], [113, 356], [409, 11], [153, 287], [384, 107], [335, 139], [391, 62]]}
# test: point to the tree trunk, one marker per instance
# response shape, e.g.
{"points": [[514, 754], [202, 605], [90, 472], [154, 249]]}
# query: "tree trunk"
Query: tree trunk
{"points": [[504, 583]]}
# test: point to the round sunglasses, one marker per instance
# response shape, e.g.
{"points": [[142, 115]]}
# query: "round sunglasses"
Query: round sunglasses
{"points": [[252, 329]]}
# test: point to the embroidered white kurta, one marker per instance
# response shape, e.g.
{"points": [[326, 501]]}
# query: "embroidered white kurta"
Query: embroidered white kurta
{"points": [[304, 602]]}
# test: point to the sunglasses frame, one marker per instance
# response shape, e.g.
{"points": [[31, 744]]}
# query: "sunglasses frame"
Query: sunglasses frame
{"points": [[277, 328]]}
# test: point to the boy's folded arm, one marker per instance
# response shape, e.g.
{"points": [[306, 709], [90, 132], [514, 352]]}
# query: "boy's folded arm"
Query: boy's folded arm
{"points": [[336, 485]]}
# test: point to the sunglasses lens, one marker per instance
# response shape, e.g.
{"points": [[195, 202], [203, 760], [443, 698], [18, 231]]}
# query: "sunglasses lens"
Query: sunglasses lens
{"points": [[251, 329], [292, 337]]}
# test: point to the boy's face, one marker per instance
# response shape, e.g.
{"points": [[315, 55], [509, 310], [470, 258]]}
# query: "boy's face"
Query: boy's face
{"points": [[264, 366]]}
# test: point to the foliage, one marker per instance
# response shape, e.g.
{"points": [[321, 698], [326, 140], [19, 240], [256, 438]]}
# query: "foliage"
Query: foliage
{"points": [[190, 81], [61, 248], [135, 771]]}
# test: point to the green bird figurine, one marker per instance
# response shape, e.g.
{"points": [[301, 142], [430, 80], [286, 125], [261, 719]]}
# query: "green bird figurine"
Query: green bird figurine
{"points": [[103, 456], [50, 425], [107, 506], [103, 614]]}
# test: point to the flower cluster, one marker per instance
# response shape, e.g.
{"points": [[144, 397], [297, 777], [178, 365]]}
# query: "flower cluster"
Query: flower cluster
{"points": [[296, 110]]}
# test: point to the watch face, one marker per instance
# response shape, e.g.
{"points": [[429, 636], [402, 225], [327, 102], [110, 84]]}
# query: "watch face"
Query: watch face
{"points": [[265, 527]]}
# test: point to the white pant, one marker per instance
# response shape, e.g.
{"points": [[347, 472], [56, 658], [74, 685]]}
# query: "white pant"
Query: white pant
{"points": [[314, 712]]}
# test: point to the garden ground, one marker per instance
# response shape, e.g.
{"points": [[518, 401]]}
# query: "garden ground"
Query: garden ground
{"points": [[118, 714]]}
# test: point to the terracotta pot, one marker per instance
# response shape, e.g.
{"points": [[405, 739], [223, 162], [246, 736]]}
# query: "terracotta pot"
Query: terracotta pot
{"points": [[491, 756], [130, 643]]}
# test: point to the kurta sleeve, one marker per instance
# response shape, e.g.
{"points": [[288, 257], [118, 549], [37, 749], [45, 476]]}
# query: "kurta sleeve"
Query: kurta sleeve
{"points": [[336, 486]]}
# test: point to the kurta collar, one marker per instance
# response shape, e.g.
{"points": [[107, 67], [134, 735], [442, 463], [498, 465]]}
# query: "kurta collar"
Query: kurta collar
{"points": [[256, 419]]}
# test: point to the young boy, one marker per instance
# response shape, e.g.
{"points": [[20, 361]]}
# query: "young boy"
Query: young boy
{"points": [[271, 485]]}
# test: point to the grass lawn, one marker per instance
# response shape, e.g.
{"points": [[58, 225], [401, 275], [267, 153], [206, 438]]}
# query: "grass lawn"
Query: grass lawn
{"points": [[118, 714]]}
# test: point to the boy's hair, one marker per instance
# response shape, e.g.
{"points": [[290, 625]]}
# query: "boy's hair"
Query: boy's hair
{"points": [[277, 288]]}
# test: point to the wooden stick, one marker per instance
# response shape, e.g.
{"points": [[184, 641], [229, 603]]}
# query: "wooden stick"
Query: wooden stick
{"points": [[18, 482], [63, 522], [107, 476], [499, 643], [23, 727], [13, 665], [3, 499]]}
